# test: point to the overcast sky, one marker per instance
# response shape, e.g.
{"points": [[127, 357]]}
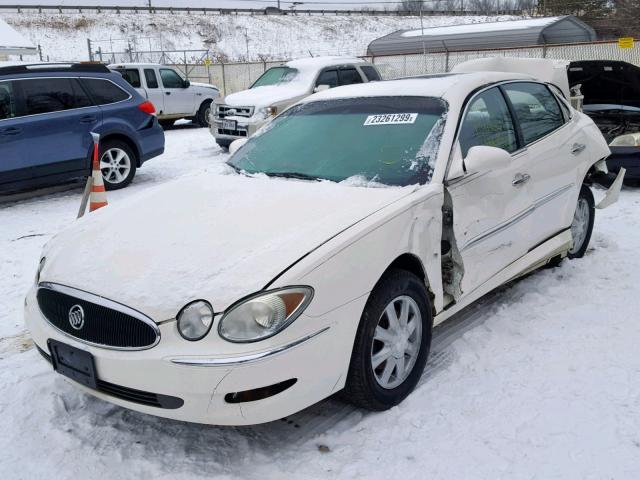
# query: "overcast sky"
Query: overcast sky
{"points": [[313, 4]]}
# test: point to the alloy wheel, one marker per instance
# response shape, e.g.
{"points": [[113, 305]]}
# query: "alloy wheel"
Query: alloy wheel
{"points": [[396, 342], [115, 165], [580, 225]]}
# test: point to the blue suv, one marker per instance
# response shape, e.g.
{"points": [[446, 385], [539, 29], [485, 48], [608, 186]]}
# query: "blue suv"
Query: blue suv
{"points": [[47, 113]]}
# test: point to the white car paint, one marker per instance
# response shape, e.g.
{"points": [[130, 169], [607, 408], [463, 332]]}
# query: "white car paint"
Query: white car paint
{"points": [[188, 242], [172, 101], [251, 104]]}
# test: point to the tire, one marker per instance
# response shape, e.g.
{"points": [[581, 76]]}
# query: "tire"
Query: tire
{"points": [[365, 386], [202, 117], [165, 124], [582, 225], [224, 144], [118, 164]]}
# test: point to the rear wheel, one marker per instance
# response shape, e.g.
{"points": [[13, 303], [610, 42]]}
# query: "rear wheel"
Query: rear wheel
{"points": [[202, 116], [392, 343], [117, 164], [582, 225]]}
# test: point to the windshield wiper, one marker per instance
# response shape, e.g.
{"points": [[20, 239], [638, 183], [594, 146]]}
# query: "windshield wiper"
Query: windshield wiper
{"points": [[299, 176]]}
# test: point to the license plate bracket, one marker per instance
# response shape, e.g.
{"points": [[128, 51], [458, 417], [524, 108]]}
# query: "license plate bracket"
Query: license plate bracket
{"points": [[229, 125], [73, 363]]}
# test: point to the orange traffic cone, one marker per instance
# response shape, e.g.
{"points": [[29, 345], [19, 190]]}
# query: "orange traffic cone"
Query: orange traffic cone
{"points": [[98, 197]]}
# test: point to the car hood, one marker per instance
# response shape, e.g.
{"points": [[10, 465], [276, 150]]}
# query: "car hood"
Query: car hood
{"points": [[203, 85], [266, 96], [214, 237]]}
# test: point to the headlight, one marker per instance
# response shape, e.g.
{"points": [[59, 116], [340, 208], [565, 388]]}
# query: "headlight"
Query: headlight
{"points": [[269, 111], [628, 140], [264, 314], [40, 267], [195, 320]]}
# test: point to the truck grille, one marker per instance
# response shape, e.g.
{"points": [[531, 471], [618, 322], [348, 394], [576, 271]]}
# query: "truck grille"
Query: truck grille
{"points": [[227, 110], [104, 323]]}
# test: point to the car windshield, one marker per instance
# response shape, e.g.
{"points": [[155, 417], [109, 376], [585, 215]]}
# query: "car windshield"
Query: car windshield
{"points": [[276, 75], [386, 140]]}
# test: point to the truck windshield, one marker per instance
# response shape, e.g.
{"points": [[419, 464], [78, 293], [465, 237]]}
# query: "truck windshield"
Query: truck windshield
{"points": [[275, 75], [386, 140]]}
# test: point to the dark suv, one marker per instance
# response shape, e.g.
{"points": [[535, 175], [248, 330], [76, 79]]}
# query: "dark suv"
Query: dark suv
{"points": [[47, 113]]}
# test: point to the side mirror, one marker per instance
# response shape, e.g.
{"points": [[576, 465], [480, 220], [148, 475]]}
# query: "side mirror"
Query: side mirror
{"points": [[321, 88], [186, 84], [482, 158], [236, 144]]}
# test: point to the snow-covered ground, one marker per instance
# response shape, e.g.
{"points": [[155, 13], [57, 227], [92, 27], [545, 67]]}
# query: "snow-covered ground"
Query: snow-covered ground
{"points": [[63, 37], [542, 382]]}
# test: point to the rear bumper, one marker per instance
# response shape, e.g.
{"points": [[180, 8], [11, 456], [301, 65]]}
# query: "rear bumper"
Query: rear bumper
{"points": [[151, 142]]}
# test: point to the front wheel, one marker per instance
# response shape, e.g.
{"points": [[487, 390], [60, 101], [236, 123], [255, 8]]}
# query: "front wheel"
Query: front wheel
{"points": [[582, 225], [117, 164], [392, 343], [202, 117]]}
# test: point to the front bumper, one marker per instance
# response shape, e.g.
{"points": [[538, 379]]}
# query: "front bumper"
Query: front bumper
{"points": [[245, 128], [204, 383]]}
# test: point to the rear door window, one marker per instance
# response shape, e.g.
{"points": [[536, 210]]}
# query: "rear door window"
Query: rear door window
{"points": [[328, 77], [349, 76], [132, 76], [488, 123], [151, 78], [370, 72], [103, 91], [536, 109], [46, 95], [171, 79], [8, 107]]}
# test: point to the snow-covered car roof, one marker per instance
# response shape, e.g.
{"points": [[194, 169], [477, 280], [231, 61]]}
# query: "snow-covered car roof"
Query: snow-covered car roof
{"points": [[317, 63], [440, 85]]}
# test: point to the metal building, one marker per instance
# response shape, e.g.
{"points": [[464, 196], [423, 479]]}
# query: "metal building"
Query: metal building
{"points": [[488, 35], [12, 43]]}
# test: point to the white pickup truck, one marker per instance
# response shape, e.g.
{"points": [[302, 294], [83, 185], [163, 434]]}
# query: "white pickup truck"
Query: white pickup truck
{"points": [[173, 96], [241, 114]]}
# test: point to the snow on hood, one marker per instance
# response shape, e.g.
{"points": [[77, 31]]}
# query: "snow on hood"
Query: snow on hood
{"points": [[267, 95], [216, 237]]}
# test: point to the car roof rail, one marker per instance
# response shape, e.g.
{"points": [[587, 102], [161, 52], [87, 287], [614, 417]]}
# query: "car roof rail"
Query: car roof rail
{"points": [[54, 67]]}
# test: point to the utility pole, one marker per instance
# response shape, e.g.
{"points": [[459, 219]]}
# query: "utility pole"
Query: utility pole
{"points": [[278, 4]]}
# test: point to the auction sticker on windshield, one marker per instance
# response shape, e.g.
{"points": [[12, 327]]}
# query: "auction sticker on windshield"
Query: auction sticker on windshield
{"points": [[391, 119]]}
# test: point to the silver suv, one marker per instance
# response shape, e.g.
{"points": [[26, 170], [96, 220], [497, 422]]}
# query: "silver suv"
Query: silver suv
{"points": [[240, 114]]}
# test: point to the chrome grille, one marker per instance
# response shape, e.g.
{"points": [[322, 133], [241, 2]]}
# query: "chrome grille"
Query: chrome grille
{"points": [[105, 323], [227, 110]]}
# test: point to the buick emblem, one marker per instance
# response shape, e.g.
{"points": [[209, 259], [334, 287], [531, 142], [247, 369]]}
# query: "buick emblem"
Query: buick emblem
{"points": [[76, 317]]}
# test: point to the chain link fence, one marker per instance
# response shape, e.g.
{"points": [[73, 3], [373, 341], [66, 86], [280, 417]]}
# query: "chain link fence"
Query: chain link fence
{"points": [[233, 77]]}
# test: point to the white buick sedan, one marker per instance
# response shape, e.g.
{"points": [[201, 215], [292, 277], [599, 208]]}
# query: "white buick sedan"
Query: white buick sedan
{"points": [[349, 227]]}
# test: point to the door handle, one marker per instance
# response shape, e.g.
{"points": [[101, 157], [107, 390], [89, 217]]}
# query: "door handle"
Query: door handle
{"points": [[520, 179], [88, 119], [577, 148], [167, 93], [12, 131]]}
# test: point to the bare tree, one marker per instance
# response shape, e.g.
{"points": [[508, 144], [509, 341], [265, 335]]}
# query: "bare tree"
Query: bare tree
{"points": [[484, 6], [411, 6]]}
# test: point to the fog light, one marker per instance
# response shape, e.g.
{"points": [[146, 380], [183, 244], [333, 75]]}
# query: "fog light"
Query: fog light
{"points": [[195, 320]]}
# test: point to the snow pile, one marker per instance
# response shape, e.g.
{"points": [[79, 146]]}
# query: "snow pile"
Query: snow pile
{"points": [[229, 37]]}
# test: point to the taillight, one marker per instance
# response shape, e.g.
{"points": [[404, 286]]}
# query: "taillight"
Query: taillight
{"points": [[147, 107]]}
